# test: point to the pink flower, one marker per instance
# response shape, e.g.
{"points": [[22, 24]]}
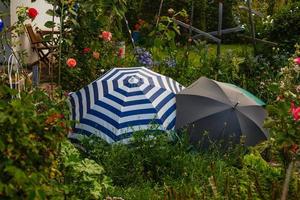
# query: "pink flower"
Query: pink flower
{"points": [[297, 61], [96, 55], [86, 50], [295, 112], [106, 36], [32, 13], [71, 62]]}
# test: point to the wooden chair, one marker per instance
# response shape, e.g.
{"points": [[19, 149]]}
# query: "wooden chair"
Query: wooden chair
{"points": [[40, 46]]}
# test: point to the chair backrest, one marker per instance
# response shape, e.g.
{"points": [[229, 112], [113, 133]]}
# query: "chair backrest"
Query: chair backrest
{"points": [[34, 38]]}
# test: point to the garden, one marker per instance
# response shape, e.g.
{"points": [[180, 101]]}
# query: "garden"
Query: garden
{"points": [[140, 99]]}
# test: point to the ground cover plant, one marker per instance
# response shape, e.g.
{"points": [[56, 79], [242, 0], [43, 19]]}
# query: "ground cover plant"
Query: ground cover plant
{"points": [[38, 161]]}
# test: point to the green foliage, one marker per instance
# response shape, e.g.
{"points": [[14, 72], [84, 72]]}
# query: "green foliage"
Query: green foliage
{"points": [[285, 25], [205, 14], [238, 66], [36, 160], [31, 128], [83, 178], [155, 167]]}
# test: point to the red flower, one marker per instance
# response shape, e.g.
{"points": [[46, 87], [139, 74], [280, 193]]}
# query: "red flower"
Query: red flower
{"points": [[86, 50], [137, 27], [32, 13], [297, 60], [295, 111], [71, 62], [53, 118], [106, 36], [121, 53], [294, 148]]}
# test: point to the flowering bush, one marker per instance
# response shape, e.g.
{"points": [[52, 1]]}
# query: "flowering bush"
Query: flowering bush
{"points": [[32, 128], [284, 119], [92, 41]]}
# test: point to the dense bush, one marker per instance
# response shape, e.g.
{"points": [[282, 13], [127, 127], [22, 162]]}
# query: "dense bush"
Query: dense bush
{"points": [[31, 130], [285, 26], [36, 161]]}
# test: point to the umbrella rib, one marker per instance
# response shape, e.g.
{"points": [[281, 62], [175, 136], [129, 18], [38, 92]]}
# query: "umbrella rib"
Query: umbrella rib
{"points": [[224, 93], [260, 127], [249, 106]]}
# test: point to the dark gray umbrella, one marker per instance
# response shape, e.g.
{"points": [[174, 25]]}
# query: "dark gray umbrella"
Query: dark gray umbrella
{"points": [[222, 111]]}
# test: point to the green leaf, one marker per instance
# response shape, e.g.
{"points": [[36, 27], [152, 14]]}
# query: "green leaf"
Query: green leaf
{"points": [[18, 174], [50, 24], [50, 12]]}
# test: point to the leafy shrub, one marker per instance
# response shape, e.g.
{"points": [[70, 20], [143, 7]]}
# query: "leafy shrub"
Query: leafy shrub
{"points": [[285, 26], [83, 178], [31, 130], [36, 160]]}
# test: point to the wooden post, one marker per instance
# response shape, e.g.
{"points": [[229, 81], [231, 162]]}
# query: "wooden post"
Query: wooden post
{"points": [[220, 22], [287, 181], [159, 12], [192, 20], [252, 28]]}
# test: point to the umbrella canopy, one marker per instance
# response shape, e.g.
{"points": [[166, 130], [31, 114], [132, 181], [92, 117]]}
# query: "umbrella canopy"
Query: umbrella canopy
{"points": [[123, 101], [222, 111]]}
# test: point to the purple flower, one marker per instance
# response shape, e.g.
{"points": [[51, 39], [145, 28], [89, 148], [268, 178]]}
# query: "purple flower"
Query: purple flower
{"points": [[144, 57]]}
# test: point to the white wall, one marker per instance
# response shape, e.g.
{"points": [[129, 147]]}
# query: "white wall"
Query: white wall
{"points": [[41, 6]]}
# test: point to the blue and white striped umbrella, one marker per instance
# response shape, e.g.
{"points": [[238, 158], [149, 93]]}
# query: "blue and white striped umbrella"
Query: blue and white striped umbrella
{"points": [[123, 101]]}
